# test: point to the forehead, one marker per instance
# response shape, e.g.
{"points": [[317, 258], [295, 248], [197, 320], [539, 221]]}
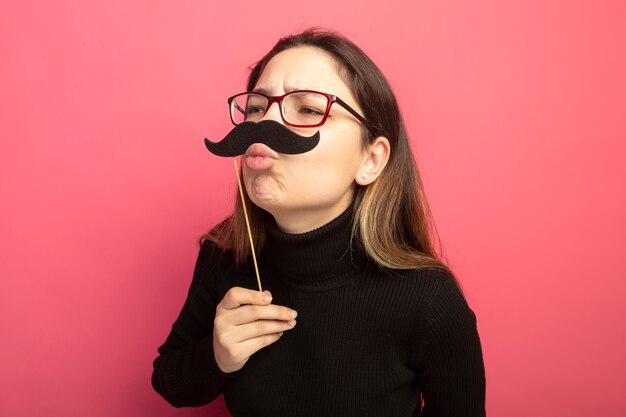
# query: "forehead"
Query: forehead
{"points": [[302, 68]]}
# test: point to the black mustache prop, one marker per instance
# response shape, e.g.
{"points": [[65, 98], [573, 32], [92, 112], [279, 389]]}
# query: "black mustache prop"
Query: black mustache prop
{"points": [[268, 132]]}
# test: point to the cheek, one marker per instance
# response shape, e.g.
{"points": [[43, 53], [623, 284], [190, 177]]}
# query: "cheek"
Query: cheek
{"points": [[343, 149], [336, 158]]}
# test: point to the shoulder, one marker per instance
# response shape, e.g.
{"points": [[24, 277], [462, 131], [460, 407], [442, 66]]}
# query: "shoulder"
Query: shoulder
{"points": [[435, 295], [435, 275], [407, 299], [445, 305], [212, 269], [211, 257], [423, 284], [211, 254], [446, 296]]}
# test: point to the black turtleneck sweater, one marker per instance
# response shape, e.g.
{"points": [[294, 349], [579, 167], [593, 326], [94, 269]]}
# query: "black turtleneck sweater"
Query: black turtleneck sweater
{"points": [[368, 341]]}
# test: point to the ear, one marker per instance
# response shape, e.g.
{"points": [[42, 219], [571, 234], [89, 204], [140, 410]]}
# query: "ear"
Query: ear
{"points": [[374, 161]]}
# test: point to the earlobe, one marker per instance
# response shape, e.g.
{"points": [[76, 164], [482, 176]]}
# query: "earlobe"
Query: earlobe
{"points": [[374, 162]]}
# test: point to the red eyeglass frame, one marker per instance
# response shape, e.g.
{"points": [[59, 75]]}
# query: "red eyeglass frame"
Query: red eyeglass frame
{"points": [[331, 99]]}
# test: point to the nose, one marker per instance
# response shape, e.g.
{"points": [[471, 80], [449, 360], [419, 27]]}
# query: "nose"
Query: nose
{"points": [[273, 113]]}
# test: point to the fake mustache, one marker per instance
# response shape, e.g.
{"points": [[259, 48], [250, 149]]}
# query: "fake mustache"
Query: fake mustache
{"points": [[269, 132]]}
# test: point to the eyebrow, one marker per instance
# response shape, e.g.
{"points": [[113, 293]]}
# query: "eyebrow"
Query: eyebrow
{"points": [[287, 90]]}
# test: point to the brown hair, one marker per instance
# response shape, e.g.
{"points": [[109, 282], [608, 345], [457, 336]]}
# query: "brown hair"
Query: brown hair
{"points": [[392, 220]]}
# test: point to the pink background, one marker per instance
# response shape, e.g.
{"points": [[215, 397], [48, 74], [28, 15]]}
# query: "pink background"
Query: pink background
{"points": [[516, 110]]}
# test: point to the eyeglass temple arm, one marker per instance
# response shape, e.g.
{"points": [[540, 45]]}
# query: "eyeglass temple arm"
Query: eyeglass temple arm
{"points": [[239, 108], [355, 114]]}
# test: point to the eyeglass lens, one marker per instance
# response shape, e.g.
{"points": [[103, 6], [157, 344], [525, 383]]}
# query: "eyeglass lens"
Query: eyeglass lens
{"points": [[298, 108]]}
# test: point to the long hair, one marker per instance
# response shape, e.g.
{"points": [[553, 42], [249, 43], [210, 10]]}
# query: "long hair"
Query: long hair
{"points": [[392, 220]]}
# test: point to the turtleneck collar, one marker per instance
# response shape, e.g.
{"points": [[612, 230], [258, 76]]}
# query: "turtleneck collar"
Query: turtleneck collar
{"points": [[319, 259]]}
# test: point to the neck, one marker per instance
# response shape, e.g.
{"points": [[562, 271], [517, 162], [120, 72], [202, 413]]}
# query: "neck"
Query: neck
{"points": [[317, 259]]}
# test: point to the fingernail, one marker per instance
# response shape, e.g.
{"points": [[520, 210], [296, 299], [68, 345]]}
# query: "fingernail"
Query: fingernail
{"points": [[267, 298], [292, 322], [292, 313]]}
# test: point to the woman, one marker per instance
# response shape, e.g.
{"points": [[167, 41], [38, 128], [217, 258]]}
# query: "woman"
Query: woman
{"points": [[343, 237]]}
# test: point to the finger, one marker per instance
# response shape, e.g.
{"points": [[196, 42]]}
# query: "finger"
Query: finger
{"points": [[251, 346], [249, 313], [260, 328], [238, 296]]}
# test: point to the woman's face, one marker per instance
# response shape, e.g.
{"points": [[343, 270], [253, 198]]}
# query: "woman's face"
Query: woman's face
{"points": [[307, 190]]}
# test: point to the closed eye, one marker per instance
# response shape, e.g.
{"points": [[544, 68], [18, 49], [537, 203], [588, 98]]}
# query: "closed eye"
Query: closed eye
{"points": [[251, 110], [311, 111]]}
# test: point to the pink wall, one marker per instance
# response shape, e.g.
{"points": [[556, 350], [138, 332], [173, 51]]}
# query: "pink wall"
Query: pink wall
{"points": [[516, 110]]}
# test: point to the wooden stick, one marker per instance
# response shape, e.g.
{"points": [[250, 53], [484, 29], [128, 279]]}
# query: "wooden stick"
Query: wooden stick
{"points": [[245, 214]]}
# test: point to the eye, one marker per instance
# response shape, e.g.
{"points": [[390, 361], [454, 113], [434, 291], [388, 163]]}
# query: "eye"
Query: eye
{"points": [[252, 110], [311, 111]]}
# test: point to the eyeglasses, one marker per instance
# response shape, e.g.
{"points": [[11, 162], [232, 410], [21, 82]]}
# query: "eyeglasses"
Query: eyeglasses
{"points": [[301, 108]]}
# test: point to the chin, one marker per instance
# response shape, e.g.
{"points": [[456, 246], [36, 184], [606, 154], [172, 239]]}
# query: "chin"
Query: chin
{"points": [[274, 206], [267, 202]]}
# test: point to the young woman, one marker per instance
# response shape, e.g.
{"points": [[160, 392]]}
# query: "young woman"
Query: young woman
{"points": [[344, 243]]}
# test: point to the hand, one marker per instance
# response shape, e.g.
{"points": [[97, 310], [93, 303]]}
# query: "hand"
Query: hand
{"points": [[246, 322]]}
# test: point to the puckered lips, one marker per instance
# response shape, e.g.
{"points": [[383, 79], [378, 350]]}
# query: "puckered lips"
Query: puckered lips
{"points": [[259, 157]]}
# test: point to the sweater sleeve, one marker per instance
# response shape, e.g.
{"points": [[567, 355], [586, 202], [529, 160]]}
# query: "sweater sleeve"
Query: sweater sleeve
{"points": [[449, 357], [185, 373]]}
